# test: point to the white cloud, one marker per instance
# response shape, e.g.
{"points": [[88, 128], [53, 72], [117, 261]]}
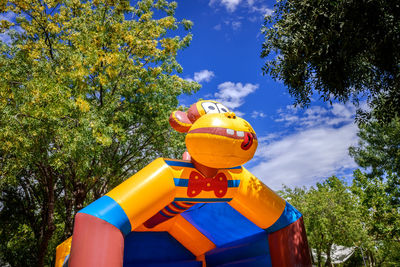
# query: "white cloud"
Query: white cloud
{"points": [[258, 114], [232, 94], [263, 10], [250, 2], [203, 76], [258, 7], [252, 6], [316, 115], [217, 27], [236, 25], [230, 5], [268, 11], [317, 149], [5, 38], [253, 11], [9, 16]]}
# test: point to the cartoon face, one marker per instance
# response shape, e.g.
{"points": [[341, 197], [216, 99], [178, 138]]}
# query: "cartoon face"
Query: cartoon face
{"points": [[215, 137]]}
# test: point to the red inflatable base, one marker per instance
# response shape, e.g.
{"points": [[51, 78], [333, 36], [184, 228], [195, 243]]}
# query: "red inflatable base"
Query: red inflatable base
{"points": [[289, 246], [96, 243]]}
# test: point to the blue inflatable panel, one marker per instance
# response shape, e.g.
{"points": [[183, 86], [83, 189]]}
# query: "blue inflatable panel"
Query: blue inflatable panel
{"points": [[179, 163], [66, 261], [176, 163], [168, 264], [289, 216], [110, 211], [155, 248], [250, 247], [262, 261], [220, 223]]}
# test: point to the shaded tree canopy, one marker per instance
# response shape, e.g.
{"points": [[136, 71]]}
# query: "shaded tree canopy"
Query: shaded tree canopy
{"points": [[86, 88], [343, 50]]}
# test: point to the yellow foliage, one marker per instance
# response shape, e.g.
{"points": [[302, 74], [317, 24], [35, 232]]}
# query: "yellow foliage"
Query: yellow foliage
{"points": [[111, 72], [67, 52], [146, 16], [102, 139], [103, 79], [5, 24], [82, 104], [53, 28], [167, 22]]}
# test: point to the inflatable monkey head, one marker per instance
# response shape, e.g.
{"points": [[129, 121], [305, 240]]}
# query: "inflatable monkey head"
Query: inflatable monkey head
{"points": [[215, 138]]}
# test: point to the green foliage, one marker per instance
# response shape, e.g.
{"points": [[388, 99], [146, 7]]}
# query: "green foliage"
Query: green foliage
{"points": [[340, 49], [381, 216], [378, 187], [331, 216], [18, 240], [378, 148], [86, 88]]}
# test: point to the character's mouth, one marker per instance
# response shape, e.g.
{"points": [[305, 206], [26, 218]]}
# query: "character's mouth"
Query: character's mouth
{"points": [[247, 137]]}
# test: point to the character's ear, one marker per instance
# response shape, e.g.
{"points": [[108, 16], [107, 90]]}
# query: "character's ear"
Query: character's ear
{"points": [[180, 121], [193, 112]]}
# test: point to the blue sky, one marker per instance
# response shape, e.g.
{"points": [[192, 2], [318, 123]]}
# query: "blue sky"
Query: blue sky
{"points": [[298, 147]]}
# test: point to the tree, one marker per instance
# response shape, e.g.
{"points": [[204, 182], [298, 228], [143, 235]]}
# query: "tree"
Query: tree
{"points": [[86, 88], [331, 216], [381, 217], [342, 50], [378, 149], [378, 186]]}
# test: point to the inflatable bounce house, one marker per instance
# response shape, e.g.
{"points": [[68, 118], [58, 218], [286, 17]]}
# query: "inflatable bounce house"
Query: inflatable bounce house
{"points": [[204, 210]]}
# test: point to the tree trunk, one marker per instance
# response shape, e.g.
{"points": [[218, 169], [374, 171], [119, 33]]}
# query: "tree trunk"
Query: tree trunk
{"points": [[68, 203], [48, 226], [319, 257], [371, 259], [79, 194], [328, 262]]}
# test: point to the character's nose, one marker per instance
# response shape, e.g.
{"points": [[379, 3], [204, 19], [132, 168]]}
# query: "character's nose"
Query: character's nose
{"points": [[230, 115]]}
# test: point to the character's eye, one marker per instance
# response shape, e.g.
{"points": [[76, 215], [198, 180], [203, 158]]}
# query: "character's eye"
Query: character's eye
{"points": [[210, 107], [222, 108]]}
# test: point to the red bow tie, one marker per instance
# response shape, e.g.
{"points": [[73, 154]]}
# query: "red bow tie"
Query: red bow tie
{"points": [[198, 183]]}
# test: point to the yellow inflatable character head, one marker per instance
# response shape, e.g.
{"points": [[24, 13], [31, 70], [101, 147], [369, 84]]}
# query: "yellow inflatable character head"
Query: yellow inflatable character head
{"points": [[216, 137]]}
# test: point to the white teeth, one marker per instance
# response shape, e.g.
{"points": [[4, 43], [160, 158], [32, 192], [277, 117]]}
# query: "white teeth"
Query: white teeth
{"points": [[240, 133], [230, 131]]}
